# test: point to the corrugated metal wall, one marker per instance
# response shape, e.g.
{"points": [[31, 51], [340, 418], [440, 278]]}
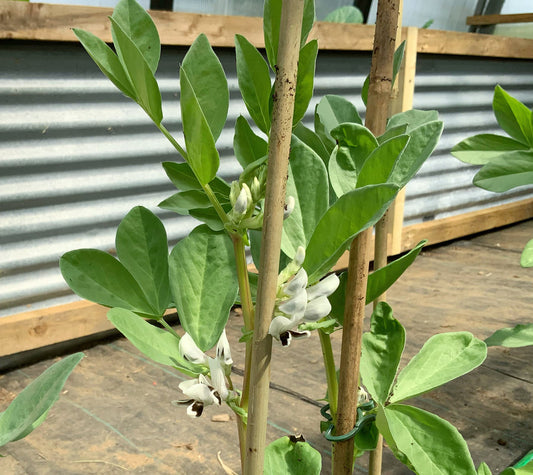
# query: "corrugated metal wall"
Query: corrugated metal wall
{"points": [[75, 155]]}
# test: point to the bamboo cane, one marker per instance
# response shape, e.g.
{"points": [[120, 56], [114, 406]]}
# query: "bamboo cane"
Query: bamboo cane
{"points": [[381, 243], [278, 158], [377, 111]]}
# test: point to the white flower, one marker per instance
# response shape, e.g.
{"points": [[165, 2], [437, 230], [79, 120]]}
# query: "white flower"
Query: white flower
{"points": [[243, 202], [224, 350], [305, 304], [190, 351], [202, 392]]}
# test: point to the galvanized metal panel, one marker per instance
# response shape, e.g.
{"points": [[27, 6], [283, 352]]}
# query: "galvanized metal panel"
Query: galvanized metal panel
{"points": [[76, 156]]}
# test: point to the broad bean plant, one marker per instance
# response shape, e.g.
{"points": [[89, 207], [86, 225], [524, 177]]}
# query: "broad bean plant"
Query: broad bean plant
{"points": [[341, 181]]}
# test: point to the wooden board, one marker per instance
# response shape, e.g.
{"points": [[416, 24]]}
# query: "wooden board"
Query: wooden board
{"points": [[48, 22], [498, 19]]}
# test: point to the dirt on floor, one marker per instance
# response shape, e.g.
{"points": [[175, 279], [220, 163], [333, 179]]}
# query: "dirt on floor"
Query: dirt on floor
{"points": [[117, 413]]}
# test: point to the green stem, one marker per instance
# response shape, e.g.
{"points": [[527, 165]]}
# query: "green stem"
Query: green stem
{"points": [[169, 328], [173, 141], [331, 373], [248, 316]]}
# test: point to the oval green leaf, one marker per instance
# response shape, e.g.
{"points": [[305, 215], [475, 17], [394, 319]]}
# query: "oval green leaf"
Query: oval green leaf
{"points": [[443, 357], [254, 82], [481, 149], [305, 80], [204, 284], [506, 172], [515, 337], [308, 185], [513, 116], [347, 217], [142, 248], [247, 145], [382, 350], [29, 409], [290, 456], [142, 78], [431, 444], [157, 344], [96, 276], [138, 25]]}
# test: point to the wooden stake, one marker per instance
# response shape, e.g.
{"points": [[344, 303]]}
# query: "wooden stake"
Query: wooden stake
{"points": [[278, 160], [376, 119]]}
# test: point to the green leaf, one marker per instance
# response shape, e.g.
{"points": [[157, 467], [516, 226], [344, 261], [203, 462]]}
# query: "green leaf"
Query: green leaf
{"points": [[305, 80], [96, 276], [515, 337], [378, 282], [138, 25], [248, 146], [431, 444], [355, 144], [379, 164], [392, 132], [271, 26], [291, 457], [526, 259], [210, 217], [443, 357], [422, 142], [157, 344], [513, 116], [349, 215], [483, 469], [184, 201], [254, 82], [29, 409], [330, 112], [204, 284], [142, 248], [481, 149], [381, 353], [107, 61], [138, 70], [311, 139], [201, 150], [382, 279], [308, 185], [346, 14], [183, 178], [412, 118], [506, 172], [208, 83]]}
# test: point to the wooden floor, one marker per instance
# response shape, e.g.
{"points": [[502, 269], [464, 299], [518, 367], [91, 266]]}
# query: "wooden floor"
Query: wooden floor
{"points": [[116, 415]]}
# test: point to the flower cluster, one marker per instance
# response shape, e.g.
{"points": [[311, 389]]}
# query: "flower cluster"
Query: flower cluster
{"points": [[205, 391], [297, 303]]}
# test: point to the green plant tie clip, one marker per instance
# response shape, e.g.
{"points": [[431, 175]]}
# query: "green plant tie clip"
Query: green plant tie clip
{"points": [[362, 421]]}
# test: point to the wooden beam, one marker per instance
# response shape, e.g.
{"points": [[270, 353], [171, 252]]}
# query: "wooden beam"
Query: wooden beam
{"points": [[473, 44], [446, 229], [498, 19], [39, 328], [48, 22]]}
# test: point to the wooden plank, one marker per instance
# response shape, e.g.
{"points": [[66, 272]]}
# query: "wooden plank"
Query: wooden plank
{"points": [[48, 22], [403, 102], [454, 227], [473, 44], [498, 19], [38, 328]]}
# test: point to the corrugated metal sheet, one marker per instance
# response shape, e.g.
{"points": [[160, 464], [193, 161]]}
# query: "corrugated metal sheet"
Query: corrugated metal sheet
{"points": [[76, 155]]}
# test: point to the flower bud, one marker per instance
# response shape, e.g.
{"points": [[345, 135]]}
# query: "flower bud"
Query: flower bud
{"points": [[234, 192], [299, 257], [289, 207], [244, 200], [256, 189]]}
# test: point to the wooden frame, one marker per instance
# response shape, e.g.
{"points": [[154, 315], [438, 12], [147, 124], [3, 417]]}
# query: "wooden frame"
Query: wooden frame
{"points": [[482, 20], [45, 22]]}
